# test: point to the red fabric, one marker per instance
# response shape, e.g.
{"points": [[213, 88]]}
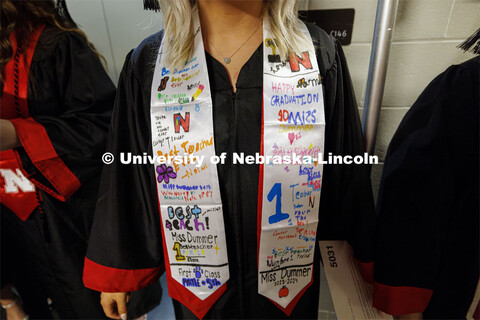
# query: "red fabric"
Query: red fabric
{"points": [[31, 134], [21, 202], [18, 87], [14, 103], [178, 292], [7, 100], [366, 270], [107, 279], [400, 300], [260, 193], [41, 152]]}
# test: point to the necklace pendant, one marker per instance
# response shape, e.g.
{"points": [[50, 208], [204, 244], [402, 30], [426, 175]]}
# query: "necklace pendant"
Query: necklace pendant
{"points": [[226, 60]]}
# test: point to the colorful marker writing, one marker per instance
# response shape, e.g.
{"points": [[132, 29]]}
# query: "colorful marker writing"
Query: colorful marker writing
{"points": [[197, 93]]}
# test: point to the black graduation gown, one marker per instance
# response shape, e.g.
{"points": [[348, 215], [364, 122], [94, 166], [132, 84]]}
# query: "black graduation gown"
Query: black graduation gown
{"points": [[428, 235], [126, 234], [71, 97]]}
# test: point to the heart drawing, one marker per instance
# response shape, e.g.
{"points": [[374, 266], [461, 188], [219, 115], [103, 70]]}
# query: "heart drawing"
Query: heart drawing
{"points": [[291, 137]]}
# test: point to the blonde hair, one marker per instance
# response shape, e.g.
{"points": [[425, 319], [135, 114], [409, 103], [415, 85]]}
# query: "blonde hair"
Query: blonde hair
{"points": [[284, 23]]}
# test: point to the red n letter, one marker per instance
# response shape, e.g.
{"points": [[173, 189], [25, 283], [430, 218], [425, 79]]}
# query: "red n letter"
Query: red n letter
{"points": [[178, 121], [304, 61]]}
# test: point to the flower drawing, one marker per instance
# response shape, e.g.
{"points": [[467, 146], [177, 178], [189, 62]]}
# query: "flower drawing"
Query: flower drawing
{"points": [[165, 173]]}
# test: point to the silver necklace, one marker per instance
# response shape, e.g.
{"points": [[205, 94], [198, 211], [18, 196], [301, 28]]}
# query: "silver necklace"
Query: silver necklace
{"points": [[228, 59]]}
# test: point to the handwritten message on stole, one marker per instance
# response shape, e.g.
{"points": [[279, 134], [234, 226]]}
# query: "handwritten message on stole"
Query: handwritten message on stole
{"points": [[189, 196], [294, 125]]}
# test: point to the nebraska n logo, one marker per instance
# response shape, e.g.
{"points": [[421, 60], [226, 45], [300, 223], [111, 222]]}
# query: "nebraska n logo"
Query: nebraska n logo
{"points": [[304, 60], [13, 181], [180, 121]]}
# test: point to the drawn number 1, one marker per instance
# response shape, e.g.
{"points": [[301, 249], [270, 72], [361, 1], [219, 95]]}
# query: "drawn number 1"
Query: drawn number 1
{"points": [[276, 191], [178, 256]]}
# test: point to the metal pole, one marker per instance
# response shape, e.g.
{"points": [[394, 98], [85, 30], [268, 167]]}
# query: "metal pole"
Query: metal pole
{"points": [[382, 38]]}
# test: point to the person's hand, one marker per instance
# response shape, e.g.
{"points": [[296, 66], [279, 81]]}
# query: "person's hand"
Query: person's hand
{"points": [[12, 304], [8, 136], [114, 304]]}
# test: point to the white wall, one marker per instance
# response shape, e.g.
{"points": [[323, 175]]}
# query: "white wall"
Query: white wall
{"points": [[115, 27]]}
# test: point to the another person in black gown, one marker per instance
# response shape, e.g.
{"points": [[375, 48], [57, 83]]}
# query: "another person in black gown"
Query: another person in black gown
{"points": [[56, 106], [428, 243]]}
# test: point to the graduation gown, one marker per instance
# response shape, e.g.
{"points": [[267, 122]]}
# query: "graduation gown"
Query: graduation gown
{"points": [[427, 247], [70, 99], [125, 251]]}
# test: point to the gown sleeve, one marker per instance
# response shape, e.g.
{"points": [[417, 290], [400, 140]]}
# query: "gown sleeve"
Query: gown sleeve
{"points": [[125, 248], [427, 242], [70, 98], [347, 210]]}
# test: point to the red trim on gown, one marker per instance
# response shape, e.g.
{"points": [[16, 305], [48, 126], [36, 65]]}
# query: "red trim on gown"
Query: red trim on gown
{"points": [[108, 279], [400, 300]]}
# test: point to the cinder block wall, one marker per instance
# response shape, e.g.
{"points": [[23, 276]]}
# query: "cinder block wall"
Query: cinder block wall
{"points": [[424, 44], [115, 27]]}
